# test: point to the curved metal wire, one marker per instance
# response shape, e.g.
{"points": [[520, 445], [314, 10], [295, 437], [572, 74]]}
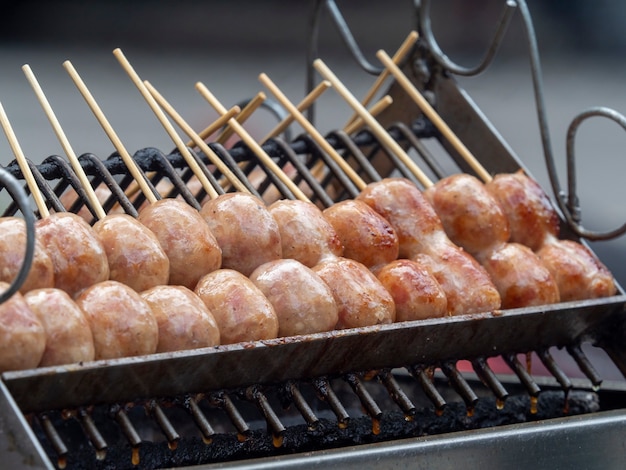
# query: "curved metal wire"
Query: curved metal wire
{"points": [[422, 9], [573, 217], [348, 39], [19, 195]]}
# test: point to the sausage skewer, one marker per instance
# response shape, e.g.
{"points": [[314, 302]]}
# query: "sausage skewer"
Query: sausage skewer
{"points": [[113, 335], [310, 239], [190, 246], [44, 326], [474, 220], [302, 303], [578, 273], [350, 281], [180, 320], [534, 221], [240, 309], [65, 237], [369, 239], [517, 273], [134, 254], [245, 231], [467, 285]]}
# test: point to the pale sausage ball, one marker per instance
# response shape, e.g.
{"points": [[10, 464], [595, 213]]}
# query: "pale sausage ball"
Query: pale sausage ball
{"points": [[241, 310], [122, 323], [68, 335], [303, 302], [184, 320], [22, 336]]}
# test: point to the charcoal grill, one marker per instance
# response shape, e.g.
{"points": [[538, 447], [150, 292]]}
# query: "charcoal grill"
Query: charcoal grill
{"points": [[428, 393]]}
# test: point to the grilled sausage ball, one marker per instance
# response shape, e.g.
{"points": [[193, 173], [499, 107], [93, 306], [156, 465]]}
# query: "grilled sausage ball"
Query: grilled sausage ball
{"points": [[121, 322], [22, 336], [184, 320], [185, 237], [135, 255], [527, 207], [578, 272], [76, 251], [245, 231], [365, 235], [470, 216], [12, 249], [303, 302], [68, 336], [415, 291], [240, 309], [361, 298], [305, 234]]}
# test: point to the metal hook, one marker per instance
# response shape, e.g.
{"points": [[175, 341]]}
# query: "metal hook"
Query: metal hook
{"points": [[422, 9], [572, 213], [19, 195]]}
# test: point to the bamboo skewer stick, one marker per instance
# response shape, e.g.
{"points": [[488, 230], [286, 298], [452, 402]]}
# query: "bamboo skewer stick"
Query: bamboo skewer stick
{"points": [[373, 124], [380, 105], [67, 148], [169, 128], [307, 101], [404, 49], [132, 166], [23, 164], [201, 144], [434, 117], [243, 116], [313, 132], [217, 124], [375, 110], [252, 144]]}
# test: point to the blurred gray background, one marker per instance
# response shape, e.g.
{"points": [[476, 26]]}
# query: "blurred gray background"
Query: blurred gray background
{"points": [[226, 45]]}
